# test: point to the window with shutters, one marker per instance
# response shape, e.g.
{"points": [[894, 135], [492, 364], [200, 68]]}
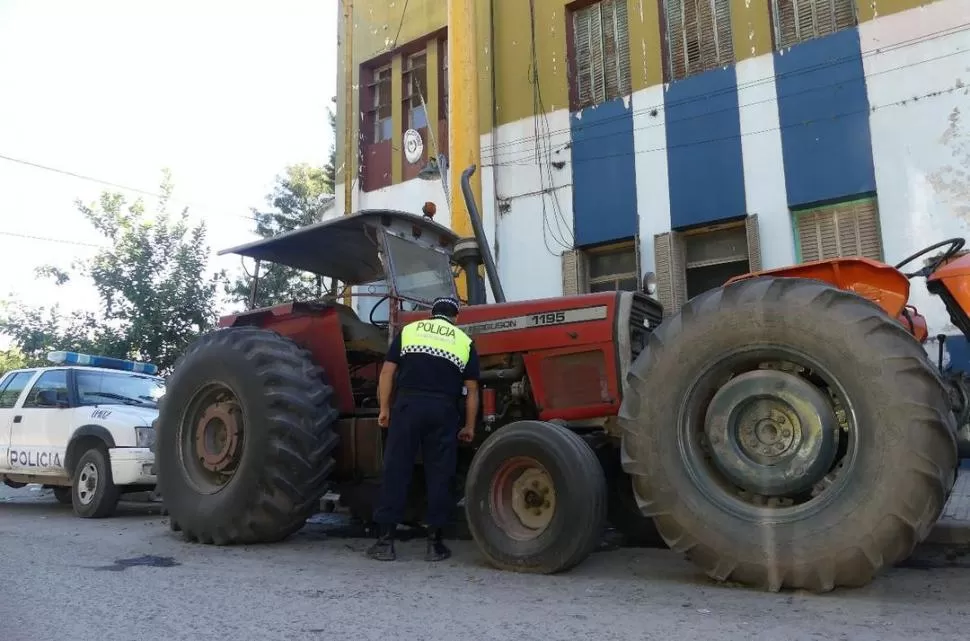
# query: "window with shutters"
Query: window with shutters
{"points": [[688, 263], [612, 269], [800, 20], [600, 52], [840, 230], [698, 36], [714, 256], [376, 124], [401, 75], [416, 91], [380, 110], [602, 269]]}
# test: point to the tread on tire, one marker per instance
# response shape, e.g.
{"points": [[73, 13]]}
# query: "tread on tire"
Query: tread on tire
{"points": [[893, 492], [288, 438], [578, 519]]}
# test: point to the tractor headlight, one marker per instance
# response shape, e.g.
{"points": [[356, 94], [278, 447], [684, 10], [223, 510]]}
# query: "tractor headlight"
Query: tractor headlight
{"points": [[649, 283], [144, 437]]}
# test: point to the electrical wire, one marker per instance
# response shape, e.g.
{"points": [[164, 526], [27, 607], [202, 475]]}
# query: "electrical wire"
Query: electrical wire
{"points": [[737, 107], [400, 24], [62, 241], [734, 89], [537, 111], [773, 78], [115, 185], [930, 94], [561, 222]]}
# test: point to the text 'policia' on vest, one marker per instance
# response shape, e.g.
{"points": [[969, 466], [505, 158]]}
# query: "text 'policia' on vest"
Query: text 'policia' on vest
{"points": [[436, 338]]}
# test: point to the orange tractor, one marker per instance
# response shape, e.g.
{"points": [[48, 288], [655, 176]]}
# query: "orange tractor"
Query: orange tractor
{"points": [[785, 430]]}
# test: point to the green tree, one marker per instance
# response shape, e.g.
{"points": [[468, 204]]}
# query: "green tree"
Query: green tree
{"points": [[155, 296], [298, 199], [11, 359], [330, 169], [37, 330]]}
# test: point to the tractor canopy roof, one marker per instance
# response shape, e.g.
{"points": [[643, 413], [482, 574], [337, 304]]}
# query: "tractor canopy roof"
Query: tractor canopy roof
{"points": [[349, 248]]}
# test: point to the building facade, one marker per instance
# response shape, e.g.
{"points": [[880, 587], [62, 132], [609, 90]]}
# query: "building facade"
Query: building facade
{"points": [[698, 139]]}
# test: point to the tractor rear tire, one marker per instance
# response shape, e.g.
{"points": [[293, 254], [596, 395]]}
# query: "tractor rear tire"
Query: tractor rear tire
{"points": [[284, 443], [547, 475], [895, 426]]}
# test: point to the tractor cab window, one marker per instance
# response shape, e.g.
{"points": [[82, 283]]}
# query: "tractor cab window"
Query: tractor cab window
{"points": [[371, 304], [419, 272]]}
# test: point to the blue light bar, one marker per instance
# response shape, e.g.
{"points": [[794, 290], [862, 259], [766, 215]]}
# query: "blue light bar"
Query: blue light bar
{"points": [[74, 358]]}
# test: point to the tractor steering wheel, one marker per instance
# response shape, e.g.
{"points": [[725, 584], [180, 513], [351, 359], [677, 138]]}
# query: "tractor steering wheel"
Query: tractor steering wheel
{"points": [[955, 245]]}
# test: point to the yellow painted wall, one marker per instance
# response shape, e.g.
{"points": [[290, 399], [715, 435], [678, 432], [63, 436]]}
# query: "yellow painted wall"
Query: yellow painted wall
{"points": [[870, 9], [751, 28], [646, 52]]}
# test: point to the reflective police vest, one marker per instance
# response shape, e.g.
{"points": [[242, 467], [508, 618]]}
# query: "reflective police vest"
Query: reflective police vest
{"points": [[436, 338]]}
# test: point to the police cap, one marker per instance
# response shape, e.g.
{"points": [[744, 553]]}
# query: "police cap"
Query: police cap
{"points": [[445, 306]]}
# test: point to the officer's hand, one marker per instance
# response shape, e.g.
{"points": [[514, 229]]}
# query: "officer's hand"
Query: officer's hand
{"points": [[466, 434], [383, 418]]}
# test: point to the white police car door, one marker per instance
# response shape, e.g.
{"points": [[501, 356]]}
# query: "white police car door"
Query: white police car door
{"points": [[11, 389], [41, 426]]}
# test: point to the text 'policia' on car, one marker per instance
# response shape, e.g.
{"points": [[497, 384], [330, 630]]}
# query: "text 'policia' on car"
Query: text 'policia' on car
{"points": [[83, 427]]}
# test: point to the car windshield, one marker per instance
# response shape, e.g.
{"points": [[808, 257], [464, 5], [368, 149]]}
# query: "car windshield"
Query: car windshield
{"points": [[419, 272], [103, 388]]}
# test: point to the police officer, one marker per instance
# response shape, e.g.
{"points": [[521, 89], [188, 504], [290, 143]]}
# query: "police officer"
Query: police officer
{"points": [[434, 360]]}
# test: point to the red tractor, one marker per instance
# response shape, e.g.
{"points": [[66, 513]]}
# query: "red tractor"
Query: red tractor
{"points": [[785, 430]]}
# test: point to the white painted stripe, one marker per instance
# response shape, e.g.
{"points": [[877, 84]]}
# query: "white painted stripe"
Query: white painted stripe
{"points": [[535, 210], [916, 64], [764, 167], [650, 156]]}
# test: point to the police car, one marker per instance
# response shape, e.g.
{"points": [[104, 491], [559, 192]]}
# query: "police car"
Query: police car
{"points": [[82, 427]]}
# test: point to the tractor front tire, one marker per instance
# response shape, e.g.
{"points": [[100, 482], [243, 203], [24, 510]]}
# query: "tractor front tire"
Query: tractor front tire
{"points": [[245, 438], [784, 433], [535, 498]]}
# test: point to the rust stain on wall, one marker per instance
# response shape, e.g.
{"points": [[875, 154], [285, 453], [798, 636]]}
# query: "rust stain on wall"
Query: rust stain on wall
{"points": [[952, 181]]}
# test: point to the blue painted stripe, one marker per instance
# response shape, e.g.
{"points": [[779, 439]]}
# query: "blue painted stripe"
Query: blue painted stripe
{"points": [[704, 160], [604, 173], [823, 110]]}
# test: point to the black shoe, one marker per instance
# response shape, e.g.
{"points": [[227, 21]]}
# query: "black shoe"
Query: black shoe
{"points": [[383, 549], [437, 550]]}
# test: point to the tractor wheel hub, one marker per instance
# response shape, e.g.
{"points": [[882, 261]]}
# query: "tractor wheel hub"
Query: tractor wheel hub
{"points": [[523, 498], [217, 436], [772, 433]]}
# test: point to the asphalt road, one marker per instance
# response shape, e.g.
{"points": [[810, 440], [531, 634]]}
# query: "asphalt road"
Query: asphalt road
{"points": [[129, 578]]}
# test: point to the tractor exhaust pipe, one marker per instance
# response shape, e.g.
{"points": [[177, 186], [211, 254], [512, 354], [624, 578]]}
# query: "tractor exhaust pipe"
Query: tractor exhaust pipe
{"points": [[484, 251]]}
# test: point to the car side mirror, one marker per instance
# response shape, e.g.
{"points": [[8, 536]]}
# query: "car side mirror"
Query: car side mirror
{"points": [[48, 398]]}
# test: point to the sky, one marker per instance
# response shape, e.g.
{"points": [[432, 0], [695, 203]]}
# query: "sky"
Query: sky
{"points": [[224, 94]]}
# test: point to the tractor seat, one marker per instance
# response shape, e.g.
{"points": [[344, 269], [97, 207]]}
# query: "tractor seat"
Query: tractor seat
{"points": [[358, 335]]}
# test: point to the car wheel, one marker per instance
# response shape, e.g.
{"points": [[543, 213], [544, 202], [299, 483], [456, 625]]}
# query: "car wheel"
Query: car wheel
{"points": [[93, 492]]}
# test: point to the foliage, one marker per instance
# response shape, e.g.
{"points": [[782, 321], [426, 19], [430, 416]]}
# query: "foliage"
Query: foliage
{"points": [[330, 169], [300, 197], [151, 281], [12, 359]]}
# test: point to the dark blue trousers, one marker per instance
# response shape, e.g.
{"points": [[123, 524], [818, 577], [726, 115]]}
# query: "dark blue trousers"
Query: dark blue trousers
{"points": [[428, 424]]}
